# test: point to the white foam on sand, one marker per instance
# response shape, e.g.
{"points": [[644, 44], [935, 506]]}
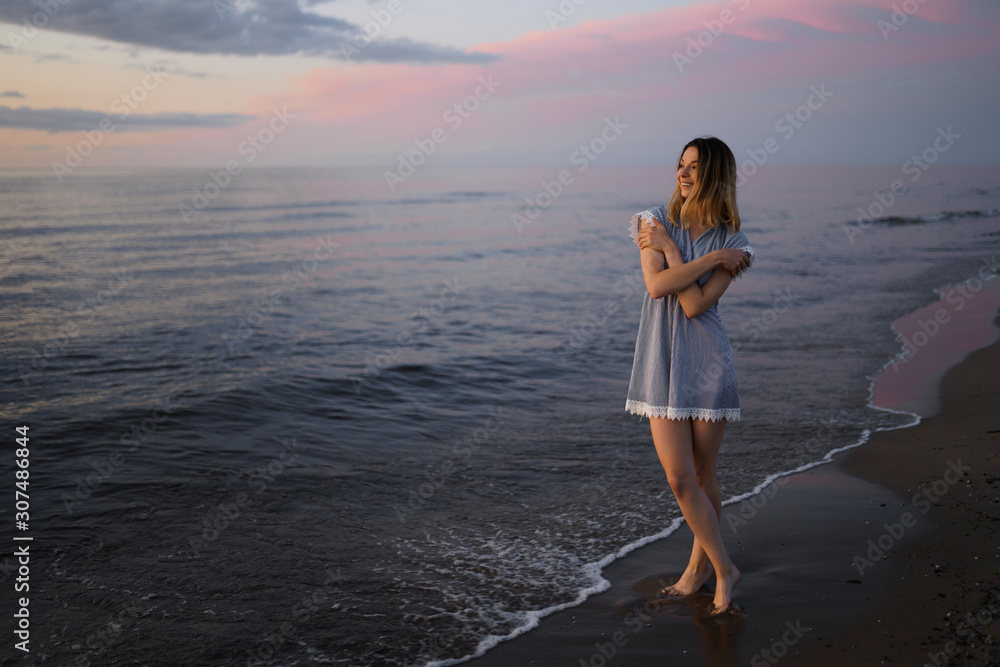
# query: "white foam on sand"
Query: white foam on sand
{"points": [[594, 571]]}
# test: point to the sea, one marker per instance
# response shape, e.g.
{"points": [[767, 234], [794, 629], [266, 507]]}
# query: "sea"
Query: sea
{"points": [[307, 416]]}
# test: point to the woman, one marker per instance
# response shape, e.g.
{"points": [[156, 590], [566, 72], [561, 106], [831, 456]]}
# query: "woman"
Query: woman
{"points": [[683, 377]]}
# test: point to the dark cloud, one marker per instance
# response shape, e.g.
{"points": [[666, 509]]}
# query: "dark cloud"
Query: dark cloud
{"points": [[232, 27], [11, 93], [80, 120]]}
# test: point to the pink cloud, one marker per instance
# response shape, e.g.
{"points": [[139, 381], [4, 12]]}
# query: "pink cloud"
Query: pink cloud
{"points": [[554, 80]]}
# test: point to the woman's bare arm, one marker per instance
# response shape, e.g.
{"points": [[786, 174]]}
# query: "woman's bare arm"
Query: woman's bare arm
{"points": [[665, 272], [653, 261], [662, 280], [696, 299]]}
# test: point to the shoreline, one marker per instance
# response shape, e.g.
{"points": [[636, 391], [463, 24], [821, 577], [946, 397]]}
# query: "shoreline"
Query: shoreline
{"points": [[810, 545], [943, 605]]}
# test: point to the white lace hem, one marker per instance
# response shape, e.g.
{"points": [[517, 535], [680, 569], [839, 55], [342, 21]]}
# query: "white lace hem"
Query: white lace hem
{"points": [[706, 414], [633, 229]]}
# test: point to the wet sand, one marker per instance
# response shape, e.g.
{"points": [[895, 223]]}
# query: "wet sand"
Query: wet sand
{"points": [[888, 555]]}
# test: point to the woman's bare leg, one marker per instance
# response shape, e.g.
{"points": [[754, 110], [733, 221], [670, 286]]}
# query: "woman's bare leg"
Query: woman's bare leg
{"points": [[675, 445], [706, 441]]}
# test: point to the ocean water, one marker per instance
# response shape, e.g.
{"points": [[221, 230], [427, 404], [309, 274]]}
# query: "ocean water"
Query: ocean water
{"points": [[303, 419]]}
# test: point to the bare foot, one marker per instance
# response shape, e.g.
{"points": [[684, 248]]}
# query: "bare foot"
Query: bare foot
{"points": [[690, 582], [724, 591]]}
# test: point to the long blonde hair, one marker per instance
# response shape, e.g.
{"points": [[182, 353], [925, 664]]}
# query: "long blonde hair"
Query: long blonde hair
{"points": [[713, 198]]}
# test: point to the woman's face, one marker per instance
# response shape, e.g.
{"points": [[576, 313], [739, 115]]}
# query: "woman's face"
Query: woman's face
{"points": [[687, 170]]}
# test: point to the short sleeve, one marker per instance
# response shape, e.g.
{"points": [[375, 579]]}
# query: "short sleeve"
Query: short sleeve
{"points": [[739, 241], [637, 220]]}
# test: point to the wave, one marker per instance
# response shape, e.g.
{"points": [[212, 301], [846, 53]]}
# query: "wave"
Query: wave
{"points": [[943, 216], [597, 583]]}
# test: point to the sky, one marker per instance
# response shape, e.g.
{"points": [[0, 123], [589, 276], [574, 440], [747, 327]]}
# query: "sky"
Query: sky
{"points": [[200, 83]]}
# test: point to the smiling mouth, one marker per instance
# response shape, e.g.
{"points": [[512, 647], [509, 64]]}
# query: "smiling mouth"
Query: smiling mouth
{"points": [[686, 185]]}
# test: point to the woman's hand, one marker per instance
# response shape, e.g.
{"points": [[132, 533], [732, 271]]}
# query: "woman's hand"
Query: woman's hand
{"points": [[656, 237], [731, 259]]}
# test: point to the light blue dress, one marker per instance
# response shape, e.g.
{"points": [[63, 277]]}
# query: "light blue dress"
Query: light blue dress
{"points": [[683, 368]]}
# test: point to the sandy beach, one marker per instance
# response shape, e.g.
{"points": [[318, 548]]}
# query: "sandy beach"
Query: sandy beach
{"points": [[944, 598], [887, 555]]}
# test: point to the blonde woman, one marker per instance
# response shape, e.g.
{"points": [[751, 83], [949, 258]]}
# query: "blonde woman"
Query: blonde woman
{"points": [[682, 375]]}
